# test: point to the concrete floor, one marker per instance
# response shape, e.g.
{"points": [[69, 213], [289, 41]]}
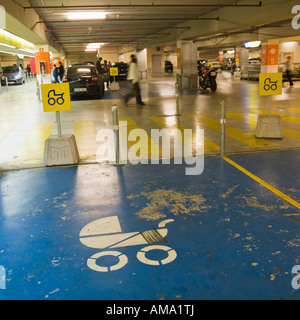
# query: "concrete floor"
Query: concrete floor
{"points": [[24, 126], [151, 231]]}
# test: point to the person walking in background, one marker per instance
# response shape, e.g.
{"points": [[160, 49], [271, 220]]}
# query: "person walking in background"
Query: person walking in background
{"points": [[289, 69], [106, 73], [55, 73], [109, 65], [133, 75], [61, 71], [99, 66], [28, 71]]}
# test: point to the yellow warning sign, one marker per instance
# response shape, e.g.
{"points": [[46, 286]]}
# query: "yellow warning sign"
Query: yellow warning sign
{"points": [[114, 71], [56, 97], [270, 84]]}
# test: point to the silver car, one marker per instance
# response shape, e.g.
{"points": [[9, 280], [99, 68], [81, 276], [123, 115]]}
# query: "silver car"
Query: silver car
{"points": [[14, 75]]}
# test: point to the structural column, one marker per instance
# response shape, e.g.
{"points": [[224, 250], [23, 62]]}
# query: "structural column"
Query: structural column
{"points": [[269, 57], [187, 74], [42, 64]]}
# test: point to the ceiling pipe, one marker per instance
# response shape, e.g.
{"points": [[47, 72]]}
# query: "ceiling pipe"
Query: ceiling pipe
{"points": [[113, 29], [148, 6], [127, 20], [109, 34]]}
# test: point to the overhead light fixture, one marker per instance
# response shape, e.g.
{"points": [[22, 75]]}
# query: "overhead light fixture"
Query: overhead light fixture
{"points": [[7, 45], [95, 44], [12, 53], [231, 51], [86, 15], [90, 49], [252, 44], [12, 36]]}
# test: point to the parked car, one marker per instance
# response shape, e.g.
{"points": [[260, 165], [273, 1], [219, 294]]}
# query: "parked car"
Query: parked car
{"points": [[14, 75], [122, 70], [254, 60], [168, 66], [84, 80]]}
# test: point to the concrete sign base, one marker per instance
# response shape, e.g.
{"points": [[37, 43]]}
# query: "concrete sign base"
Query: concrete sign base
{"points": [[269, 127], [61, 151]]}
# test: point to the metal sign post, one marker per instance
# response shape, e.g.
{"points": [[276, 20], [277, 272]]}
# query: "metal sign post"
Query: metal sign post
{"points": [[223, 125], [58, 123], [114, 110], [61, 149]]}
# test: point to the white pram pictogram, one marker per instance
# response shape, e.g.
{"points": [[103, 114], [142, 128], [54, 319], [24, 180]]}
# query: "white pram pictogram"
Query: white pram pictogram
{"points": [[106, 233]]}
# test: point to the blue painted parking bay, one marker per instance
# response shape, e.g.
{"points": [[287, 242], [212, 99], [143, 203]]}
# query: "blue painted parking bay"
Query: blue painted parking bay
{"points": [[149, 232]]}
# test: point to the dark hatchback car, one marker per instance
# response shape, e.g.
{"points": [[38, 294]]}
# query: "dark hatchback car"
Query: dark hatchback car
{"points": [[84, 80], [168, 66], [14, 75], [122, 70]]}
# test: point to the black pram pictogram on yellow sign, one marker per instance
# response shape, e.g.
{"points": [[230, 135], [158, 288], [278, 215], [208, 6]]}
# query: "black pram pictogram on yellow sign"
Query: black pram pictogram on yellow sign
{"points": [[56, 97]]}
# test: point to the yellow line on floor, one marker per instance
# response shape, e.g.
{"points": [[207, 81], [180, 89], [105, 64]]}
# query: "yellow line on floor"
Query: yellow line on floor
{"points": [[292, 134], [140, 149], [288, 133], [173, 123], [232, 132], [85, 134], [32, 149], [263, 183]]}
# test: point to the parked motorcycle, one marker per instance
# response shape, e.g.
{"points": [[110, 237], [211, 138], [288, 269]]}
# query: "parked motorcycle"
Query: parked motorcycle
{"points": [[207, 78]]}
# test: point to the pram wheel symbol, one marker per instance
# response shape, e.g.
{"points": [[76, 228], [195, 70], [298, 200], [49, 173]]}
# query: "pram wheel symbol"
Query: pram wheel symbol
{"points": [[106, 234], [269, 85], [52, 101]]}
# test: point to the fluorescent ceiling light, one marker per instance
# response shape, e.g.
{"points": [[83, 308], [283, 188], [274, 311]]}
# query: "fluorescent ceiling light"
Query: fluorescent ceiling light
{"points": [[12, 53], [91, 49], [7, 45], [27, 50], [95, 45], [252, 44], [86, 15], [10, 35]]}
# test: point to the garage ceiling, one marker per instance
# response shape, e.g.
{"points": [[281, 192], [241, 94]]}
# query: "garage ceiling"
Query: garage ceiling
{"points": [[136, 23]]}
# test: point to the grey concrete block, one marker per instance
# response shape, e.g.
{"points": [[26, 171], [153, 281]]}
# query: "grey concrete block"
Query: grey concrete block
{"points": [[269, 127], [61, 151]]}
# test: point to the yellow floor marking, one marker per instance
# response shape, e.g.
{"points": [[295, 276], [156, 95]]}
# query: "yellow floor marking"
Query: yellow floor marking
{"points": [[6, 122], [32, 149], [5, 129], [288, 133], [131, 125], [172, 123], [85, 135], [263, 183], [291, 119], [292, 134], [293, 109], [232, 132]]}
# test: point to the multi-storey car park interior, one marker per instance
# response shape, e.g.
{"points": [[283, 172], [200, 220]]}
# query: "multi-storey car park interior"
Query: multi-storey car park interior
{"points": [[194, 195]]}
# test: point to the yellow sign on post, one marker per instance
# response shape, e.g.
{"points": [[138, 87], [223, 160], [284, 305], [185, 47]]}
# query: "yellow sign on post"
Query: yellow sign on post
{"points": [[114, 71], [56, 97], [270, 84]]}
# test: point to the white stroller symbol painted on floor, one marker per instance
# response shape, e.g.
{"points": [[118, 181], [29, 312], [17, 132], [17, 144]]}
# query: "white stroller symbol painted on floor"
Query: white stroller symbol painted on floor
{"points": [[106, 233]]}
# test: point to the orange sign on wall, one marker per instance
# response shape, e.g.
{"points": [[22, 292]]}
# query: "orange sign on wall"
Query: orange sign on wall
{"points": [[40, 57], [269, 55]]}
